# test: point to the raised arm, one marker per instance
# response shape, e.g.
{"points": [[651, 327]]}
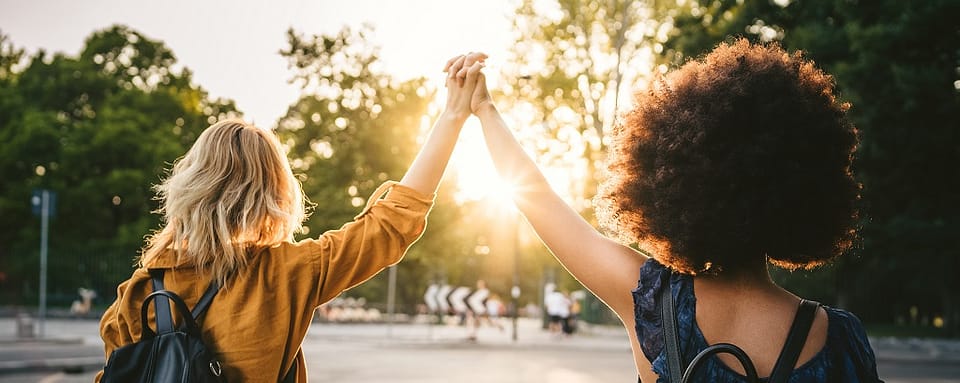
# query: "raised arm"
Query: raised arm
{"points": [[606, 267], [427, 169]]}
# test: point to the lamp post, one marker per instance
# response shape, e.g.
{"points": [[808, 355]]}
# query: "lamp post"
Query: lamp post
{"points": [[44, 205], [391, 298], [515, 291]]}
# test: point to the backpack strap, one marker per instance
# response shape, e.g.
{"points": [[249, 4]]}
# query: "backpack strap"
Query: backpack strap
{"points": [[189, 325], [796, 338], [677, 371], [639, 278], [668, 321], [750, 372], [291, 376], [795, 341], [164, 316], [205, 300], [162, 304]]}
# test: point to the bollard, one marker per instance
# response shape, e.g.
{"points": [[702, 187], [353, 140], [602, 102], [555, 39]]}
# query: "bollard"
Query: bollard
{"points": [[25, 327]]}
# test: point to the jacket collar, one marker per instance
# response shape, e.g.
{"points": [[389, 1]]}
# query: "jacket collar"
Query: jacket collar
{"points": [[167, 260]]}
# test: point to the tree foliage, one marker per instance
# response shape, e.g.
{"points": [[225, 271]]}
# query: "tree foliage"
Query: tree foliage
{"points": [[353, 128], [98, 129], [898, 64], [565, 73]]}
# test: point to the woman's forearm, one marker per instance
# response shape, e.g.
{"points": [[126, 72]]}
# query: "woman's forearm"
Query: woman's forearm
{"points": [[427, 168], [511, 161], [569, 237]]}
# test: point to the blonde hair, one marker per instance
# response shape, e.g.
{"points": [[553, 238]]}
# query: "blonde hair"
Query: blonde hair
{"points": [[231, 194]]}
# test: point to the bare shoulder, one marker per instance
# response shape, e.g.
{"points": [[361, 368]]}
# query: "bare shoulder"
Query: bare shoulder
{"points": [[736, 316], [615, 275], [816, 338]]}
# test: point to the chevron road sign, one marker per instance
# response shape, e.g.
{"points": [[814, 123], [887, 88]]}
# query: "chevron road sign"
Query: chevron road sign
{"points": [[455, 299]]}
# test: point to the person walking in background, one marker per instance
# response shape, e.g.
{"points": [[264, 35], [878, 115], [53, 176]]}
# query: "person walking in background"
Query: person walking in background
{"points": [[495, 309], [570, 325], [732, 162], [558, 311], [476, 309], [231, 206]]}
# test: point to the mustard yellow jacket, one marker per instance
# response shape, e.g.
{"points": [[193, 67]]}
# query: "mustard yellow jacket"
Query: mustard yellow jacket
{"points": [[257, 322]]}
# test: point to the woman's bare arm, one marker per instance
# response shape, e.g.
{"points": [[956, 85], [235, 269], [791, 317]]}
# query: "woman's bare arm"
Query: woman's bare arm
{"points": [[606, 267], [427, 169]]}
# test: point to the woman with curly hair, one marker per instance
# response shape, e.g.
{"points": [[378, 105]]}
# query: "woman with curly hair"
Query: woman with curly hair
{"points": [[730, 163]]}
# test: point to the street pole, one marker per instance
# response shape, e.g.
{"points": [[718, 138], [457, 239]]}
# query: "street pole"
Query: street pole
{"points": [[515, 292], [44, 224], [391, 298]]}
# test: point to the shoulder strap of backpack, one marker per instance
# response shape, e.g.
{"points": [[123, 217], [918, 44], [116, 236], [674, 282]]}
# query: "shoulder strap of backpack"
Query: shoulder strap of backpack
{"points": [[161, 303], [668, 321], [796, 338], [750, 372], [291, 376], [205, 300]]}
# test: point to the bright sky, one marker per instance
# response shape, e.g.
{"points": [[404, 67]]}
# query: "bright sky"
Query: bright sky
{"points": [[232, 45]]}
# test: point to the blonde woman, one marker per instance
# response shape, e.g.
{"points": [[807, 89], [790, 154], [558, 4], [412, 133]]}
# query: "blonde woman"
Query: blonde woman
{"points": [[231, 206]]}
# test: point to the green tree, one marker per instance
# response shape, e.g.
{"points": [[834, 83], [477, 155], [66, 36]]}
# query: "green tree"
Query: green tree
{"points": [[566, 72], [99, 129], [569, 68], [353, 128], [898, 63]]}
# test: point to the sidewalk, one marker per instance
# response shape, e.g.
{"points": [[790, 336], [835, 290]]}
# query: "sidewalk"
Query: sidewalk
{"points": [[529, 334], [916, 350], [76, 343], [67, 344]]}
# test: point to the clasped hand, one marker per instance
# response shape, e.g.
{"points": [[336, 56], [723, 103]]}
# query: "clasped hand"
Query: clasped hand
{"points": [[466, 84]]}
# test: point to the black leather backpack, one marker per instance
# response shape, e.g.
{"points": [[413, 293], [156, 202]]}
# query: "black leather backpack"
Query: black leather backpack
{"points": [[170, 354]]}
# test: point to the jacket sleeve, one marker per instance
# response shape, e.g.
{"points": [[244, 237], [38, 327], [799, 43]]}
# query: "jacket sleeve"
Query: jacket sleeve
{"points": [[377, 237], [112, 331]]}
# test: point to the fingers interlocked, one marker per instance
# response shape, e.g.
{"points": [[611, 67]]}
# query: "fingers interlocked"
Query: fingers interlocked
{"points": [[464, 68]]}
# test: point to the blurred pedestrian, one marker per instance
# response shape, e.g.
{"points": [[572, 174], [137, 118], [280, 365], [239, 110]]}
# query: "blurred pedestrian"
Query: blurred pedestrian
{"points": [[570, 325], [477, 308], [495, 310], [558, 310]]}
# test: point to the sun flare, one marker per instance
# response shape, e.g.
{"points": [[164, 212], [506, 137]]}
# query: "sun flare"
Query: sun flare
{"points": [[477, 178]]}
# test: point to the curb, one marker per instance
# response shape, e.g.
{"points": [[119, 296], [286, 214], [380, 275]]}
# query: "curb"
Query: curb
{"points": [[39, 341], [917, 359], [58, 364]]}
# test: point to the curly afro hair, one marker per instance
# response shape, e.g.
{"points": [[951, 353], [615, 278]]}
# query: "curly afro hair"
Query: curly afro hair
{"points": [[736, 158]]}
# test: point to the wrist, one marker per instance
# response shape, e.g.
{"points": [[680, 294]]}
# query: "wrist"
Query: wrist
{"points": [[485, 109], [454, 117]]}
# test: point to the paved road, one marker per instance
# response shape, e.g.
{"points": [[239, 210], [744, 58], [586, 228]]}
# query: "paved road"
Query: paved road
{"points": [[434, 354]]}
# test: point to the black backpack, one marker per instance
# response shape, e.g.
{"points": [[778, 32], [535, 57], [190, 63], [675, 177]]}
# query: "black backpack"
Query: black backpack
{"points": [[169, 354], [679, 372]]}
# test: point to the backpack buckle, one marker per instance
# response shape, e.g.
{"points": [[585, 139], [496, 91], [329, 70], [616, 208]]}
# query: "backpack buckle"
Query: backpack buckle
{"points": [[216, 368]]}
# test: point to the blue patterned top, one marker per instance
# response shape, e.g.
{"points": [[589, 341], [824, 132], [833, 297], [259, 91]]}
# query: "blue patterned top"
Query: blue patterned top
{"points": [[846, 356]]}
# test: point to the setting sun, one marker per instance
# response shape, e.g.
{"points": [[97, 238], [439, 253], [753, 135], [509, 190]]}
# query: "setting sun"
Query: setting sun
{"points": [[477, 179], [476, 176]]}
